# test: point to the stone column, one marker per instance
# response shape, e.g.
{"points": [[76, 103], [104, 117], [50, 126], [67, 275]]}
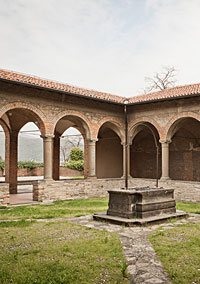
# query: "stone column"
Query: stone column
{"points": [[13, 147], [92, 157], [124, 159], [48, 156], [165, 159], [56, 157], [7, 156]]}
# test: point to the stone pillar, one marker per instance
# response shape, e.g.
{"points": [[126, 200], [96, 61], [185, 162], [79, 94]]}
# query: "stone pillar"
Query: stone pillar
{"points": [[48, 156], [7, 156], [92, 157], [56, 157], [86, 166], [13, 147], [165, 159], [124, 160]]}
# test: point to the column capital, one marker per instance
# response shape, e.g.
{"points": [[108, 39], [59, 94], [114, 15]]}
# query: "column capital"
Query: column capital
{"points": [[92, 140], [126, 144], [47, 136], [167, 141], [14, 133]]}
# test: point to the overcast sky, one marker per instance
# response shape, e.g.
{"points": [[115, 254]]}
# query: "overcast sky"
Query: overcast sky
{"points": [[106, 45]]}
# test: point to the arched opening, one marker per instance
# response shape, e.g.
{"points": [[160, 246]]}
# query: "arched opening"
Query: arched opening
{"points": [[71, 168], [70, 132], [30, 145], [143, 152], [109, 153], [184, 150], [29, 162], [15, 119]]}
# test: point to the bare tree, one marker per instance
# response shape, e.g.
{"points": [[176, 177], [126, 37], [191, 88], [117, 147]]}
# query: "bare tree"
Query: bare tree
{"points": [[72, 141], [163, 80]]}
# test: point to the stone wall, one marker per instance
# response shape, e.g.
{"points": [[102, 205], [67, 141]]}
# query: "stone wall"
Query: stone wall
{"points": [[89, 188], [4, 194]]}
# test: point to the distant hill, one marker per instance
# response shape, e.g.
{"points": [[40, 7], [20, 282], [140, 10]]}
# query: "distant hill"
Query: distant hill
{"points": [[31, 147]]}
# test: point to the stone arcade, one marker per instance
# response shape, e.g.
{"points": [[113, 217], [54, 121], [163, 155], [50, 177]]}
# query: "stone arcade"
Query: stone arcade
{"points": [[173, 115]]}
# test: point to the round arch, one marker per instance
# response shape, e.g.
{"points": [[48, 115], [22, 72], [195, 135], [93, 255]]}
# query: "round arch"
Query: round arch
{"points": [[137, 125], [183, 133], [85, 122], [109, 149], [145, 158], [37, 113], [114, 124], [174, 123]]}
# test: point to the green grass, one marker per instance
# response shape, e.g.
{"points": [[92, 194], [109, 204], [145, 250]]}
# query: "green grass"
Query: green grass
{"points": [[189, 207], [64, 209], [179, 248], [71, 208], [77, 177], [59, 253], [179, 251]]}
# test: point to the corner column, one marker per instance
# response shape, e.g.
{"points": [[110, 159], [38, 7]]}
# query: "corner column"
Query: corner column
{"points": [[48, 156], [92, 157], [165, 159]]}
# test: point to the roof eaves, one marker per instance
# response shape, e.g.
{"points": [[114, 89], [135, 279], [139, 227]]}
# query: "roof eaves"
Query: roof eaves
{"points": [[60, 91], [164, 99]]}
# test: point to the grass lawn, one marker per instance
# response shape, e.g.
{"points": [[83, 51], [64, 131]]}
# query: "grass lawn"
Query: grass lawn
{"points": [[58, 253], [179, 248], [65, 209], [71, 208]]}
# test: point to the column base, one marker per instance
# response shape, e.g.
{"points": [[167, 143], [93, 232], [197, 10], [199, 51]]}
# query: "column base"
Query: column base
{"points": [[164, 178], [129, 176], [92, 177], [12, 188]]}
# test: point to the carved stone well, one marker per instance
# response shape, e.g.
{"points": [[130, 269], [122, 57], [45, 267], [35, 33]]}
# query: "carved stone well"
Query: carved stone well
{"points": [[140, 205]]}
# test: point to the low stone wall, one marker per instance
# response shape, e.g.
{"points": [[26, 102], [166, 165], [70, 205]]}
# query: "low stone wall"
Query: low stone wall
{"points": [[4, 194], [66, 189], [89, 188], [39, 171], [184, 190]]}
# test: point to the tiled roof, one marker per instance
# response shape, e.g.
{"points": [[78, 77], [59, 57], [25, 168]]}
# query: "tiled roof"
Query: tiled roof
{"points": [[176, 92], [38, 82]]}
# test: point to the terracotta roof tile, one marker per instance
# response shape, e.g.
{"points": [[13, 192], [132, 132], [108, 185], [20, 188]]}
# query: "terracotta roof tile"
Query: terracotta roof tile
{"points": [[36, 81], [176, 92]]}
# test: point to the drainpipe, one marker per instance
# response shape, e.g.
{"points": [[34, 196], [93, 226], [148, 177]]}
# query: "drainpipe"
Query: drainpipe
{"points": [[126, 144]]}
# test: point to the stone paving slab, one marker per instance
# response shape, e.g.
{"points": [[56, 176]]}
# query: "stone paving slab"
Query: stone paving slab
{"points": [[137, 221]]}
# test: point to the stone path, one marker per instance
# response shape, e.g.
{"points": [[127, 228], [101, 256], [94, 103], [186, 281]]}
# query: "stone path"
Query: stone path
{"points": [[143, 264]]}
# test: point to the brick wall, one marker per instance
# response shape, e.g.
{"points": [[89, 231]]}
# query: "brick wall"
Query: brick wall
{"points": [[143, 157], [39, 171]]}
